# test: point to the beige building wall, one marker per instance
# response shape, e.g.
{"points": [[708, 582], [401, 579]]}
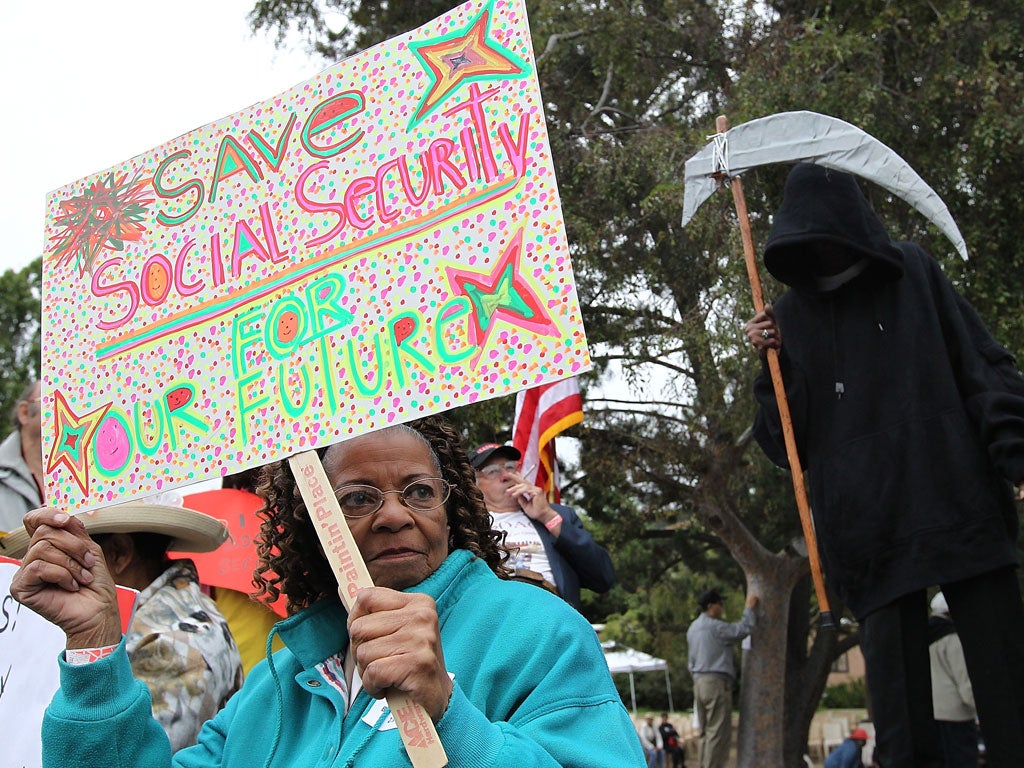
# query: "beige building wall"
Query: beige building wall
{"points": [[847, 668]]}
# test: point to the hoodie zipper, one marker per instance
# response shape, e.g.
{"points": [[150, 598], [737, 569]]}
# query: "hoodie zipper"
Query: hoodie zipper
{"points": [[840, 387]]}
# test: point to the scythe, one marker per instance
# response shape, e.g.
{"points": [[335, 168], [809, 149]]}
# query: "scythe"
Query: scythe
{"points": [[806, 137]]}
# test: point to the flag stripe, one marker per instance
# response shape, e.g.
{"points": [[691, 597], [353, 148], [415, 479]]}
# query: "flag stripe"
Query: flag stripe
{"points": [[542, 413]]}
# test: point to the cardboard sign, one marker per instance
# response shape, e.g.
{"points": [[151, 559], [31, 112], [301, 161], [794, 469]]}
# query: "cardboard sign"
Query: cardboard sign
{"points": [[29, 646], [231, 565], [378, 243]]}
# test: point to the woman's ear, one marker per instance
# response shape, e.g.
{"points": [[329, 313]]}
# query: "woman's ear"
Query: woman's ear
{"points": [[23, 414], [118, 551]]}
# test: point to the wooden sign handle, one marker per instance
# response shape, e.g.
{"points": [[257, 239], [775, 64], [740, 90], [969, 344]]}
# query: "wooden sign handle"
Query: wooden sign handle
{"points": [[414, 724]]}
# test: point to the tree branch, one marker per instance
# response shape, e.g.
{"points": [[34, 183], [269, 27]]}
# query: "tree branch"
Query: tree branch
{"points": [[605, 91], [555, 39]]}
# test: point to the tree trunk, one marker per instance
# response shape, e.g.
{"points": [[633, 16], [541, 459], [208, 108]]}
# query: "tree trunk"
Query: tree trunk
{"points": [[783, 673], [762, 701], [807, 670]]}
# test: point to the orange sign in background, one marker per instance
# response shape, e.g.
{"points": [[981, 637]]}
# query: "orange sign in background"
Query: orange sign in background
{"points": [[231, 565]]}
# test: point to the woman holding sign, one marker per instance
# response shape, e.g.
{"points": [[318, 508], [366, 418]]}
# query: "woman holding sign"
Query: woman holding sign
{"points": [[508, 673]]}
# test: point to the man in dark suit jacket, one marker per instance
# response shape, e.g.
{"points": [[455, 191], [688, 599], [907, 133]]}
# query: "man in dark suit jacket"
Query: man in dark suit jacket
{"points": [[550, 538]]}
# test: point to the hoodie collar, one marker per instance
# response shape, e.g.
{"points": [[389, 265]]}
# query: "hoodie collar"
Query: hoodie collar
{"points": [[321, 630]]}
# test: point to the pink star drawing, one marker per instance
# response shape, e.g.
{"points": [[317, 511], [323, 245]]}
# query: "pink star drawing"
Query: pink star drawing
{"points": [[463, 56], [503, 294]]}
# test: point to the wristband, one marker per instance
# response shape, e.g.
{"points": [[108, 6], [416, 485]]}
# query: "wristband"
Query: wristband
{"points": [[556, 520], [77, 657]]}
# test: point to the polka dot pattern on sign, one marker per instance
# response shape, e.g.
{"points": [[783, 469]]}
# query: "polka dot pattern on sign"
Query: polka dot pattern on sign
{"points": [[378, 243]]}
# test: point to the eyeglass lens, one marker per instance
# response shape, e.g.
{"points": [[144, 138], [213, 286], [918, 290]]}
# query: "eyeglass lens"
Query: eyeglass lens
{"points": [[493, 469], [421, 495]]}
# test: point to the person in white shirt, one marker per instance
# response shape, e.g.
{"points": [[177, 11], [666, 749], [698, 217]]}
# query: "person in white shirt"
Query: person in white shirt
{"points": [[952, 694], [653, 744], [547, 539]]}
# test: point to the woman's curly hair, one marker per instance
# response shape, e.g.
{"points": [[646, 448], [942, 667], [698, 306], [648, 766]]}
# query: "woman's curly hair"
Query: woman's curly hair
{"points": [[288, 539]]}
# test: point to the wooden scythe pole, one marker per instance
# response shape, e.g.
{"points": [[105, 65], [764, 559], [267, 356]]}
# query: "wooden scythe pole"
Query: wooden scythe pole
{"points": [[736, 186]]}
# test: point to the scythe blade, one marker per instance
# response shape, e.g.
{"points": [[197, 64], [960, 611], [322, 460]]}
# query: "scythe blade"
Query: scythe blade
{"points": [[812, 137]]}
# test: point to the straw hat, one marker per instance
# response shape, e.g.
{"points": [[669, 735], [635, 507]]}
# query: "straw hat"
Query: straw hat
{"points": [[189, 530]]}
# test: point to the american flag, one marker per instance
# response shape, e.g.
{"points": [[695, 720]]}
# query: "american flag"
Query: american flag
{"points": [[541, 413]]}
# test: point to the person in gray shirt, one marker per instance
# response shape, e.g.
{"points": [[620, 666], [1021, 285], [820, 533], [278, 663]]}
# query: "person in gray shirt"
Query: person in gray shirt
{"points": [[21, 461], [710, 641]]}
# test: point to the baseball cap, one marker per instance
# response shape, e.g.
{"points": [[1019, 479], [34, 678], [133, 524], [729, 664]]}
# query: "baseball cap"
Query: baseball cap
{"points": [[482, 453]]}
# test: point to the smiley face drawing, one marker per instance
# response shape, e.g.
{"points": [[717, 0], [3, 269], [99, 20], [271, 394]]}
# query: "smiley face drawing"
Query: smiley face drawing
{"points": [[157, 282], [178, 398], [287, 327], [112, 444], [404, 328]]}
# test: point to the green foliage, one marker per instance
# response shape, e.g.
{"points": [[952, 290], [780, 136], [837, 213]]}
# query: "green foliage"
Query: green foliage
{"points": [[851, 695], [20, 343]]}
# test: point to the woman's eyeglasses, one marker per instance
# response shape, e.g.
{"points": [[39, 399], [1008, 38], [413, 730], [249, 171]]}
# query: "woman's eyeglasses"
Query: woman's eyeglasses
{"points": [[420, 496]]}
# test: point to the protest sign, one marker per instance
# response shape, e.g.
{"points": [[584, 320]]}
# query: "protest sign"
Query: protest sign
{"points": [[231, 565], [378, 243], [29, 646]]}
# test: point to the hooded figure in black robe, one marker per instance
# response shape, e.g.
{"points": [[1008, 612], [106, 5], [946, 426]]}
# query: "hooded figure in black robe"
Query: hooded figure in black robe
{"points": [[909, 419]]}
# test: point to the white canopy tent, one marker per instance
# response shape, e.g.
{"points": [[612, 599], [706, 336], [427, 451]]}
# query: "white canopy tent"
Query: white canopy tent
{"points": [[621, 659]]}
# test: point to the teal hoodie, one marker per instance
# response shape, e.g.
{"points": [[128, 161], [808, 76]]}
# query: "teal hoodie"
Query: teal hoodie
{"points": [[531, 689]]}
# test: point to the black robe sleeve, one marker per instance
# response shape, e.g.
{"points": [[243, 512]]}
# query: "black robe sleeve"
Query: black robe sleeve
{"points": [[767, 423], [991, 386]]}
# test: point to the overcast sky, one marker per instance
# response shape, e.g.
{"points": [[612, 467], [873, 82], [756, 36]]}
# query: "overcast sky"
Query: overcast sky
{"points": [[89, 83]]}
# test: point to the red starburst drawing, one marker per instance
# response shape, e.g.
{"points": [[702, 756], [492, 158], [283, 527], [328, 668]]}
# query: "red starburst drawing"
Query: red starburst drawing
{"points": [[109, 213]]}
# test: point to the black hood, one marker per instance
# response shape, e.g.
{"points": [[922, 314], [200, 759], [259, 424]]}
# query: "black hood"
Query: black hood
{"points": [[825, 212]]}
